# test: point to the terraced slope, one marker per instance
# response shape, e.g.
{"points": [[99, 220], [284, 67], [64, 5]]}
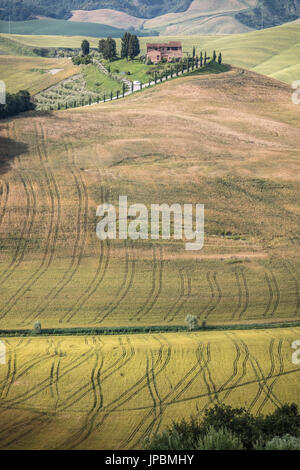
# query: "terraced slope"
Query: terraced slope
{"points": [[229, 141], [113, 392]]}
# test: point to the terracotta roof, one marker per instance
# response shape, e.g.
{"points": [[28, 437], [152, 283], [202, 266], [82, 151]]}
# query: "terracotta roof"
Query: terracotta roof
{"points": [[165, 44]]}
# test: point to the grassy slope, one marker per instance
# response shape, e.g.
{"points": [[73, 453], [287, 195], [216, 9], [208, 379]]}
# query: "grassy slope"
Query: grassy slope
{"points": [[30, 73], [228, 141], [60, 27], [272, 51], [105, 393], [98, 82]]}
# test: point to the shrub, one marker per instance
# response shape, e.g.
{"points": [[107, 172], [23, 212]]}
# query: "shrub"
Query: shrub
{"points": [[192, 322], [285, 442], [222, 439], [37, 327]]}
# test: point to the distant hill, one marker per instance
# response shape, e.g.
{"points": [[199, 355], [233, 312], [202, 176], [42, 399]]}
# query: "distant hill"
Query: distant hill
{"points": [[66, 28], [27, 9], [167, 17], [270, 13]]}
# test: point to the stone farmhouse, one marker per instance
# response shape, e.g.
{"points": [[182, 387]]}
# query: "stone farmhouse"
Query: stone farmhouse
{"points": [[169, 51]]}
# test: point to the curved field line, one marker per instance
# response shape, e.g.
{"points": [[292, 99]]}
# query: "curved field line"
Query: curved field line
{"points": [[154, 291], [45, 383], [271, 295], [216, 295], [112, 369], [245, 308], [29, 218], [141, 384], [5, 184], [277, 294], [262, 382], [50, 242], [244, 370], [183, 297], [210, 302], [97, 279], [150, 377], [240, 294], [281, 369], [36, 423], [83, 433], [181, 294], [293, 273], [142, 308], [79, 243], [6, 197], [54, 372], [178, 391], [125, 286]]}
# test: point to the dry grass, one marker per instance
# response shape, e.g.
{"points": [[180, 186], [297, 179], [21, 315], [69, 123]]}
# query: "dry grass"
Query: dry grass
{"points": [[33, 73], [228, 141], [117, 19]]}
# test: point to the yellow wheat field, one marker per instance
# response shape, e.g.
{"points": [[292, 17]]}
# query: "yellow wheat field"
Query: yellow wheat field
{"points": [[114, 392]]}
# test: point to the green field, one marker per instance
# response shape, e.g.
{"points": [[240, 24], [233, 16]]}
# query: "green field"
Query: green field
{"points": [[114, 392], [272, 51], [60, 27]]}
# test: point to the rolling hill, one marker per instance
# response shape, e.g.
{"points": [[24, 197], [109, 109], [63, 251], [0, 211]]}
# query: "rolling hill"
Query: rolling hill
{"points": [[168, 17], [228, 141], [278, 58]]}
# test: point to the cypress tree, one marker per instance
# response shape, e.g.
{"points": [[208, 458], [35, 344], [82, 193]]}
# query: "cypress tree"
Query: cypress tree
{"points": [[133, 47], [85, 47], [214, 56], [110, 50], [125, 45], [201, 59], [220, 58], [101, 45], [205, 58]]}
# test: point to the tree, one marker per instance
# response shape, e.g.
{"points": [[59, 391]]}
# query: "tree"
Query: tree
{"points": [[201, 59], [110, 50], [101, 45], [205, 58], [85, 47], [133, 47], [194, 52], [192, 322], [214, 56], [220, 58], [16, 103], [125, 45]]}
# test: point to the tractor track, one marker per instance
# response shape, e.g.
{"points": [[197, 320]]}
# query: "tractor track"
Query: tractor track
{"points": [[31, 209], [79, 241], [125, 286], [51, 236], [182, 298], [154, 291]]}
